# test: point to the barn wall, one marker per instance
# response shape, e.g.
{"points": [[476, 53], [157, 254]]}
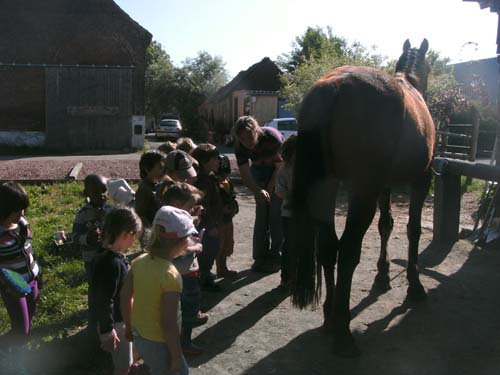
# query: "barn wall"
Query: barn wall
{"points": [[97, 116], [81, 32]]}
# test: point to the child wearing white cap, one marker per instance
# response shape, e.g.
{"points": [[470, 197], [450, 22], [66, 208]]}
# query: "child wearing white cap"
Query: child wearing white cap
{"points": [[151, 293]]}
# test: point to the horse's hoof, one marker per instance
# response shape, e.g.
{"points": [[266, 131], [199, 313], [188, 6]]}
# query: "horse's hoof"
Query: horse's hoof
{"points": [[344, 346], [382, 282], [416, 293]]}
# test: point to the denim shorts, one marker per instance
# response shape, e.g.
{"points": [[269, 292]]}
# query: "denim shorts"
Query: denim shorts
{"points": [[156, 356]]}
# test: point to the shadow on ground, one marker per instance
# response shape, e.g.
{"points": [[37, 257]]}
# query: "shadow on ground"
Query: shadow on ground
{"points": [[228, 286], [224, 333], [455, 331]]}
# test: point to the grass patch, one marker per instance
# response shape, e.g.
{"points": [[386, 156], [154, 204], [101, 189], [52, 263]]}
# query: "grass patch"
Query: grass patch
{"points": [[64, 294]]}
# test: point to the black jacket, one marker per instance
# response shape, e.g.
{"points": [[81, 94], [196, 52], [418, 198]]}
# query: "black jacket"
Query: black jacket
{"points": [[107, 280]]}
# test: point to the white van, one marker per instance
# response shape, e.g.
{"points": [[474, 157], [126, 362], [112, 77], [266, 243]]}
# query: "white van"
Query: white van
{"points": [[286, 126]]}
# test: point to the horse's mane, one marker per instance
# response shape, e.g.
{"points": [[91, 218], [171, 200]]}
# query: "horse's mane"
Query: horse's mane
{"points": [[413, 65], [409, 61]]}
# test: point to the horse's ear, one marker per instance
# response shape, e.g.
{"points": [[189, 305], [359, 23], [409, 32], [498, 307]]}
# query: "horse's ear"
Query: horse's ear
{"points": [[406, 45], [424, 47]]}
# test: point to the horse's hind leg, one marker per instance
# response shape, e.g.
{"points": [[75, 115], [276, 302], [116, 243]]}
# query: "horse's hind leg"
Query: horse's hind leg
{"points": [[362, 206], [327, 242], [419, 191], [385, 225]]}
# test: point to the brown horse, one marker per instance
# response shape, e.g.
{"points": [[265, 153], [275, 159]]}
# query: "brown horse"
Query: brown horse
{"points": [[371, 129]]}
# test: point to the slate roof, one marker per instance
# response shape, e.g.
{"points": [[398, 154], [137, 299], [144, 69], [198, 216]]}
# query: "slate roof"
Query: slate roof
{"points": [[262, 76]]}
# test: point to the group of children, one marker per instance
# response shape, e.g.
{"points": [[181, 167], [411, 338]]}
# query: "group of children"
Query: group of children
{"points": [[182, 215]]}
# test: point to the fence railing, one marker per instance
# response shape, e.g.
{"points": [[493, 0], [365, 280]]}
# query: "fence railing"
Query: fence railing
{"points": [[458, 141]]}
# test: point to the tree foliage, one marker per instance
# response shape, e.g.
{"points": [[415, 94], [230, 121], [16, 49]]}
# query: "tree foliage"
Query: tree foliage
{"points": [[313, 55], [444, 94], [181, 90], [159, 81], [197, 79], [313, 44], [316, 52]]}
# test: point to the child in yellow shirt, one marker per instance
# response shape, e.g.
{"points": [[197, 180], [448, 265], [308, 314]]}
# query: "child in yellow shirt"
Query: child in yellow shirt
{"points": [[151, 294]]}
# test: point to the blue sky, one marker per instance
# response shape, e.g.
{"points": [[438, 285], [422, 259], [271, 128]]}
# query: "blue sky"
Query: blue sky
{"points": [[243, 32]]}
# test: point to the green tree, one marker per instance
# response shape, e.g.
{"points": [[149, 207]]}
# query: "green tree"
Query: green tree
{"points": [[314, 54], [313, 44], [444, 94], [197, 79], [181, 90], [159, 81]]}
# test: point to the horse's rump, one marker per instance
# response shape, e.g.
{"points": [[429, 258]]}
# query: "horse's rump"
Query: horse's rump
{"points": [[371, 117]]}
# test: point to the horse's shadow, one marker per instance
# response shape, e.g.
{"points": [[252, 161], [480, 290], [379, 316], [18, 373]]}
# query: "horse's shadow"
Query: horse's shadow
{"points": [[434, 254], [454, 331]]}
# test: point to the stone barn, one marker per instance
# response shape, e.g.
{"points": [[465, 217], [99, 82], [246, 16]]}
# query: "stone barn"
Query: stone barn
{"points": [[72, 75]]}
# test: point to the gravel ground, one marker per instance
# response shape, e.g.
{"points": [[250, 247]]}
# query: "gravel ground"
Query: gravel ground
{"points": [[59, 169]]}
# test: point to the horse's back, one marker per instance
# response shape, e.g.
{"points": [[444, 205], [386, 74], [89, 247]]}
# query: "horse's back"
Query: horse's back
{"points": [[368, 122]]}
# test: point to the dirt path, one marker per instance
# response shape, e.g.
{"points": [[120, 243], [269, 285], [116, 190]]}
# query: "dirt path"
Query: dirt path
{"points": [[254, 330]]}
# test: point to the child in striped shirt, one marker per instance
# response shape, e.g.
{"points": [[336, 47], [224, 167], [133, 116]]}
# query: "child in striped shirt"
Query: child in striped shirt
{"points": [[16, 254]]}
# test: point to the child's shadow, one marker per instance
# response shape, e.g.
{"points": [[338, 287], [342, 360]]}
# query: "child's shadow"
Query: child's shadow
{"points": [[228, 286], [224, 333]]}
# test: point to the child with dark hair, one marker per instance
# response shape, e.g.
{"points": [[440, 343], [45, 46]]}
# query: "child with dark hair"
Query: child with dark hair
{"points": [[87, 225], [283, 191], [16, 254], [87, 230], [208, 159], [230, 208], [151, 170], [121, 228], [184, 196]]}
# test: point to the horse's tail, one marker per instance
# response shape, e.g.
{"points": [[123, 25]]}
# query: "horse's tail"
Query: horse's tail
{"points": [[310, 171]]}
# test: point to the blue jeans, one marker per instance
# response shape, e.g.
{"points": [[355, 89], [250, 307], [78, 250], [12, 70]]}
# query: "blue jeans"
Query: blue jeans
{"points": [[267, 231], [157, 357], [190, 300]]}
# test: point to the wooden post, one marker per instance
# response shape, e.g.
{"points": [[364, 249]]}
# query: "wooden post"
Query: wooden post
{"points": [[475, 134], [447, 196]]}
